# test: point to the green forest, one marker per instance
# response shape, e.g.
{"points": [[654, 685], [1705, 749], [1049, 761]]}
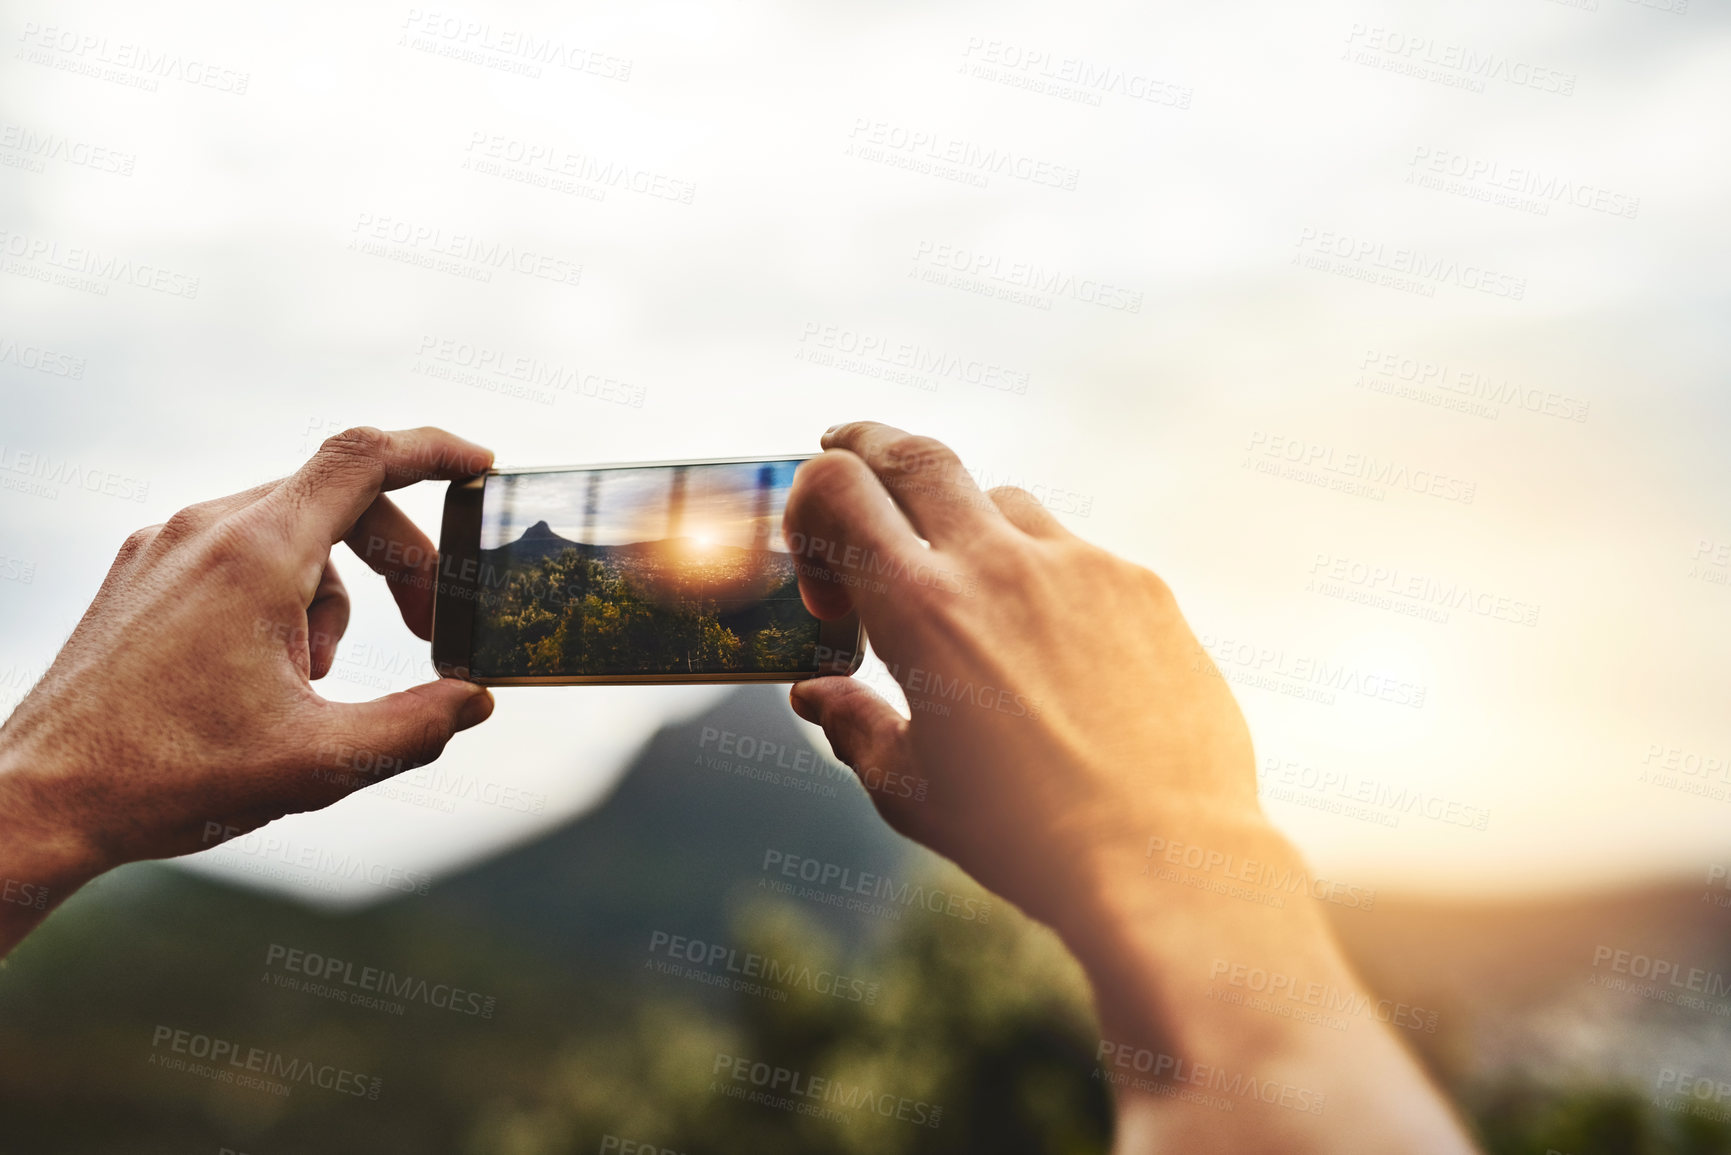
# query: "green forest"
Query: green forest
{"points": [[575, 613], [989, 1022]]}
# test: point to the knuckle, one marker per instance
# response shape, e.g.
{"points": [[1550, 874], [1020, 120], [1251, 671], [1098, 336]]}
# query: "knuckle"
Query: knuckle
{"points": [[232, 542], [131, 550], [183, 524], [358, 450], [360, 441], [430, 742], [137, 542], [1153, 586], [1006, 562]]}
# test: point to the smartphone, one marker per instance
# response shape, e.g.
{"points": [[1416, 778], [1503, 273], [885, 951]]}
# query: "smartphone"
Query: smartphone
{"points": [[658, 571]]}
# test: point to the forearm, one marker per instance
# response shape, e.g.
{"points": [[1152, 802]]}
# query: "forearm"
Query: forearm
{"points": [[1203, 1058]]}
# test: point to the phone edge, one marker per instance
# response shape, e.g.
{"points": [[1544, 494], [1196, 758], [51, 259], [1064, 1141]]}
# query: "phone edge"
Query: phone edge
{"points": [[453, 637]]}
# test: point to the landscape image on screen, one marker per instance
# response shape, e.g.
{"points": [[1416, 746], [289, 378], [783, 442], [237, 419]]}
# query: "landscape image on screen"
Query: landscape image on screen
{"points": [[641, 570]]}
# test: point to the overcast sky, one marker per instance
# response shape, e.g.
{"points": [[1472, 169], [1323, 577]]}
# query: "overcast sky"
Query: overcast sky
{"points": [[1392, 334]]}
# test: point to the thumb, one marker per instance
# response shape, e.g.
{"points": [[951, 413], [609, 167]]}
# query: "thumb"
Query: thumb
{"points": [[410, 728], [865, 732]]}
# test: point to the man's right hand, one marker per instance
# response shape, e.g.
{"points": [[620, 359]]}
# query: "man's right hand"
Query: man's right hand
{"points": [[1067, 720], [1062, 709]]}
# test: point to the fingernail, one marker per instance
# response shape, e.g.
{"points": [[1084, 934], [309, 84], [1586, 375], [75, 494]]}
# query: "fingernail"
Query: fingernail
{"points": [[476, 710], [827, 434], [801, 706]]}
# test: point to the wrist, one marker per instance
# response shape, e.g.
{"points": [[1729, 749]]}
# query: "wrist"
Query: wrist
{"points": [[1163, 925], [1209, 958], [45, 852]]}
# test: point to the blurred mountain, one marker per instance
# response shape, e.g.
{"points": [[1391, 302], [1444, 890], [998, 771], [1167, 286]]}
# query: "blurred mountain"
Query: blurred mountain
{"points": [[689, 825], [555, 933], [1602, 987]]}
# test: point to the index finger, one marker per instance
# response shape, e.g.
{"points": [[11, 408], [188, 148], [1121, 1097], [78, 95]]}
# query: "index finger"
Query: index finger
{"points": [[924, 477], [327, 495]]}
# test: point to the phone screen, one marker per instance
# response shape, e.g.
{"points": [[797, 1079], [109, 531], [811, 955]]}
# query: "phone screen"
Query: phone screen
{"points": [[655, 569]]}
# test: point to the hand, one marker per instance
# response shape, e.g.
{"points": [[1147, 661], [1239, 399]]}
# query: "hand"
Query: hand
{"points": [[1067, 722], [1062, 710], [183, 703]]}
